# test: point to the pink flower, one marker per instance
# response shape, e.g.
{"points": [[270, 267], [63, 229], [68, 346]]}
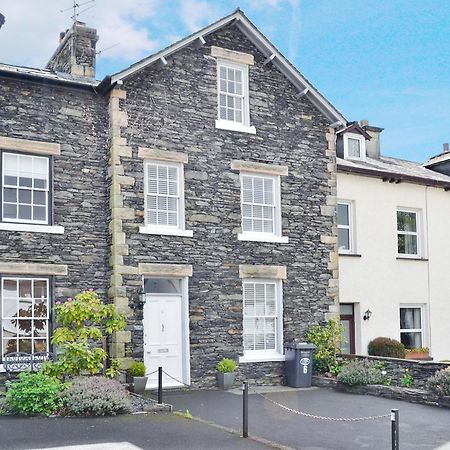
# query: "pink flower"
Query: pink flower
{"points": [[69, 299], [69, 305], [58, 302], [90, 290]]}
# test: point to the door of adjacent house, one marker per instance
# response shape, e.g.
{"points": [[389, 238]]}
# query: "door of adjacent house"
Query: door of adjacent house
{"points": [[348, 321], [164, 336]]}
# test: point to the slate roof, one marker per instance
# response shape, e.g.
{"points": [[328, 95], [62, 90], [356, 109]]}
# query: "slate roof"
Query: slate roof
{"points": [[394, 170]]}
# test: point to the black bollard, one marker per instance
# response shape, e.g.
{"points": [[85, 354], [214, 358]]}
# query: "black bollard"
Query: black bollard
{"points": [[395, 430], [245, 409], [160, 385]]}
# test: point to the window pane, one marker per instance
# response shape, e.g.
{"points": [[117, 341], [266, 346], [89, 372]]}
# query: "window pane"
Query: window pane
{"points": [[25, 345], [10, 195], [410, 318], [39, 213], [411, 340], [354, 150], [9, 328], [25, 212], [162, 286], [344, 239], [407, 244], [406, 221], [9, 211], [39, 198], [25, 196], [342, 214]]}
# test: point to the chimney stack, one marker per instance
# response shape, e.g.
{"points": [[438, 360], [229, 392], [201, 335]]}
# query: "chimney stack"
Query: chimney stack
{"points": [[445, 148], [76, 53], [372, 146]]}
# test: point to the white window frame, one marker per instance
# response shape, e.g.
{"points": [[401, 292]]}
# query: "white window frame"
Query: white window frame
{"points": [[350, 227], [232, 125], [362, 147], [260, 236], [168, 230], [46, 318], [417, 233], [15, 224], [266, 355], [421, 330]]}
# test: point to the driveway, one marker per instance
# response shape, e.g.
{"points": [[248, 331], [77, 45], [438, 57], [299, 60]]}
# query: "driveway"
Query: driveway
{"points": [[421, 427]]}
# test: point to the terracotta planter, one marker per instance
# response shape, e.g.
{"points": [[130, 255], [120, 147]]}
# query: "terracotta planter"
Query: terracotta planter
{"points": [[418, 355]]}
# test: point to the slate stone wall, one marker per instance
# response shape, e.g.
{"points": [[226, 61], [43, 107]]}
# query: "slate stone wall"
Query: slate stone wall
{"points": [[77, 120], [174, 108]]}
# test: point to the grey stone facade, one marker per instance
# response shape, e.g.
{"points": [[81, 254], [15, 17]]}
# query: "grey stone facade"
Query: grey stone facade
{"points": [[98, 196]]}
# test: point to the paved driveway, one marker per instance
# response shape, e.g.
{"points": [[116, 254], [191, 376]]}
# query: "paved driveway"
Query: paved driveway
{"points": [[421, 427]]}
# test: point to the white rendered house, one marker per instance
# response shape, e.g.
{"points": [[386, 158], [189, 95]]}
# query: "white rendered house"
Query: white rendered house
{"points": [[394, 245]]}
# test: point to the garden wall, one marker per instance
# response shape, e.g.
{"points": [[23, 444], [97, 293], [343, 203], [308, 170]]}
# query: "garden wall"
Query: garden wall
{"points": [[396, 368]]}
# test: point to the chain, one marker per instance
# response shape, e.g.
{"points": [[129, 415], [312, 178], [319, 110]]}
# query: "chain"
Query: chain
{"points": [[313, 416], [178, 381], [151, 373]]}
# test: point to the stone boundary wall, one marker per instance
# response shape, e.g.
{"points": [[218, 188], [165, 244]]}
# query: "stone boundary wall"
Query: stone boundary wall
{"points": [[395, 367]]}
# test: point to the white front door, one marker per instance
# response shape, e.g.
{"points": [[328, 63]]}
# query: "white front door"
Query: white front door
{"points": [[163, 339]]}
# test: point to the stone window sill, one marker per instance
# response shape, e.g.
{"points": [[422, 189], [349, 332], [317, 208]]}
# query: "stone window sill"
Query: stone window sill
{"points": [[234, 126], [33, 228], [355, 255], [262, 237], [165, 231], [411, 258], [262, 358]]}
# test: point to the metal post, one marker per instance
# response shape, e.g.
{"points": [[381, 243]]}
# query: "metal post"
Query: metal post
{"points": [[160, 385], [395, 429], [245, 409]]}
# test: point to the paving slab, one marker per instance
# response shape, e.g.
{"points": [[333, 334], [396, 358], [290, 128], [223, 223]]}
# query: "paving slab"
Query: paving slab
{"points": [[421, 427]]}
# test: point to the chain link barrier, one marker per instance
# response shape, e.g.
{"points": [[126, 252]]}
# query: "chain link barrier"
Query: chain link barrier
{"points": [[173, 378], [313, 416]]}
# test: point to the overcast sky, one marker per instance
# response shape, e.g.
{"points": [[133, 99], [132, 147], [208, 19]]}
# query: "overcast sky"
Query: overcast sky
{"points": [[387, 61]]}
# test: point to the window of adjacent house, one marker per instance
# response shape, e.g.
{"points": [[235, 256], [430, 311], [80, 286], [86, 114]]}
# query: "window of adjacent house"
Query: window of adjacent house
{"points": [[262, 328], [411, 327], [260, 196], [407, 233], [233, 92], [24, 314], [354, 146], [164, 203], [344, 219], [25, 188]]}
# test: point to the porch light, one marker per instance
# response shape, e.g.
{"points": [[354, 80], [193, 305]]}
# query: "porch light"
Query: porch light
{"points": [[367, 315]]}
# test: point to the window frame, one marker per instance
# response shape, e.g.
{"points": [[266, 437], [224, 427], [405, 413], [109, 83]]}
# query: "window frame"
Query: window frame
{"points": [[29, 225], [275, 354], [166, 229], [417, 233], [362, 147], [48, 318], [421, 330], [350, 227], [233, 125], [262, 236]]}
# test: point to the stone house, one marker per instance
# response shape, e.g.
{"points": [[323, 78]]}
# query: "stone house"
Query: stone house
{"points": [[195, 189]]}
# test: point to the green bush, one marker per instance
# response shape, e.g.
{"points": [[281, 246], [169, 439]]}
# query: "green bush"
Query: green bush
{"points": [[96, 396], [226, 366], [328, 339], [5, 410], [383, 346], [362, 372], [439, 384], [137, 369], [34, 393]]}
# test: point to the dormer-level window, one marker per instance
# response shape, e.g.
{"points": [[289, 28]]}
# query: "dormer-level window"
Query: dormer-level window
{"points": [[354, 146]]}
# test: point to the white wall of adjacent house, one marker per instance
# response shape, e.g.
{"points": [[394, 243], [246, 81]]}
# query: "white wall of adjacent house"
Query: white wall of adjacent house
{"points": [[374, 277]]}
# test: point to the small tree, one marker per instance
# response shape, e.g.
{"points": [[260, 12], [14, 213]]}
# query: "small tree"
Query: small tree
{"points": [[85, 323], [328, 339]]}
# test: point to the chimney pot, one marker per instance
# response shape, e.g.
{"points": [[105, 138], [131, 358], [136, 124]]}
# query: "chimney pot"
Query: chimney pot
{"points": [[364, 123], [446, 147]]}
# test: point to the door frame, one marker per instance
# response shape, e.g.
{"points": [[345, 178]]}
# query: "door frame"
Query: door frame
{"points": [[351, 319], [185, 341]]}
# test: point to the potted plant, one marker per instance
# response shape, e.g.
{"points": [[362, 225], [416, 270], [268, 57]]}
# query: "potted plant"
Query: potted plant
{"points": [[422, 353], [137, 371], [226, 369]]}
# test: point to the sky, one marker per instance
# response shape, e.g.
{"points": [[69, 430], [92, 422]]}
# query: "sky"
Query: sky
{"points": [[387, 61]]}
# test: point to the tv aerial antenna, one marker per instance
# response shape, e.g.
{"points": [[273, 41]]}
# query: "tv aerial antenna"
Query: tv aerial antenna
{"points": [[76, 8]]}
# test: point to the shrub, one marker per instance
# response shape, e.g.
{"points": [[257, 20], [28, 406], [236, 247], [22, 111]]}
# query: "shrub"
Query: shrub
{"points": [[226, 366], [5, 409], [407, 379], [383, 346], [96, 396], [137, 369], [83, 323], [34, 393], [362, 372], [328, 339], [439, 384]]}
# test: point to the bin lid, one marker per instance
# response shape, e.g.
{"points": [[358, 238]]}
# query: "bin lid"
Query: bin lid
{"points": [[299, 345]]}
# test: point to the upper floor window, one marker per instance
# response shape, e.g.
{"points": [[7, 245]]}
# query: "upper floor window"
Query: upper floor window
{"points": [[263, 325], [345, 227], [354, 146], [24, 314], [25, 188], [408, 242]]}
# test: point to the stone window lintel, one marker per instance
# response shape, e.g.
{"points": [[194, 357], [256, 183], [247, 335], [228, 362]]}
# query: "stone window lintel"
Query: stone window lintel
{"points": [[32, 269], [165, 270], [162, 155], [256, 167], [232, 55], [259, 271], [29, 146]]}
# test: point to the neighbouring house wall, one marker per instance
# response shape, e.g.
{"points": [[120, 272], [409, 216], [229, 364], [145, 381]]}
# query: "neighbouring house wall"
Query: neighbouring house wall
{"points": [[174, 108], [75, 119], [377, 279]]}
